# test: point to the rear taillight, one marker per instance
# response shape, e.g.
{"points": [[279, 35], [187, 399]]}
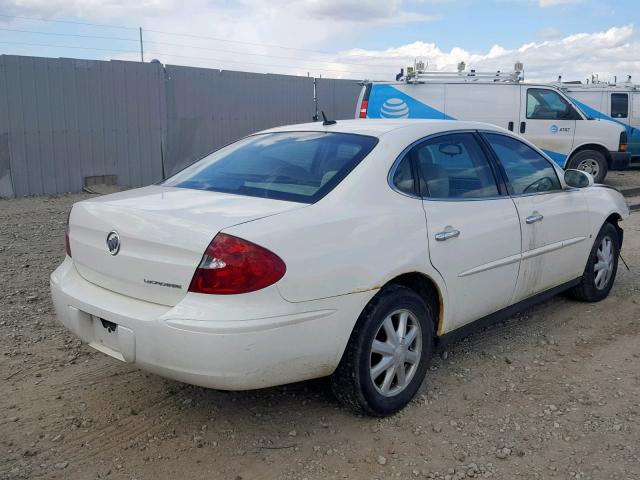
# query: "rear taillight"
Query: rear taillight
{"points": [[364, 106], [66, 236], [231, 265], [623, 142]]}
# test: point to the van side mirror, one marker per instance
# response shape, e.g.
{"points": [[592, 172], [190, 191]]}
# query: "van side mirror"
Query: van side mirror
{"points": [[578, 178]]}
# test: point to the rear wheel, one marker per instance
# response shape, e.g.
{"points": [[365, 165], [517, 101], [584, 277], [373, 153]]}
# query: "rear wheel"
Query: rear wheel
{"points": [[388, 352], [590, 161], [600, 272]]}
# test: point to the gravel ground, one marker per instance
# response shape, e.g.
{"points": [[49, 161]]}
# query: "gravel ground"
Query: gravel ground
{"points": [[552, 393], [624, 178]]}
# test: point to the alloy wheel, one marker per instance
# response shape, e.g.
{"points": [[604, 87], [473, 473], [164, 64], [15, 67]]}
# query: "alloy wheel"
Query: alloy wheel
{"points": [[395, 352], [603, 268]]}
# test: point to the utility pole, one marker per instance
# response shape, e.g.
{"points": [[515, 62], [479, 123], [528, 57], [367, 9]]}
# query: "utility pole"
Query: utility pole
{"points": [[141, 47]]}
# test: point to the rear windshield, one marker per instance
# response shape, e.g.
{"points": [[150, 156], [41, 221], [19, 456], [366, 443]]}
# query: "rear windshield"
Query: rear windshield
{"points": [[294, 166]]}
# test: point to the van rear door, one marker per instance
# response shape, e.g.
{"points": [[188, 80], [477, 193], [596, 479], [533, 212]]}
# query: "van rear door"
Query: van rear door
{"points": [[548, 120]]}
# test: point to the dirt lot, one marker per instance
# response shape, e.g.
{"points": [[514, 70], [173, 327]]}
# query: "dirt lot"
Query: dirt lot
{"points": [[553, 393]]}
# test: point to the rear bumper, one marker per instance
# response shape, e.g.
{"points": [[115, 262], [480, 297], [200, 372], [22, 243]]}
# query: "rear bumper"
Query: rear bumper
{"points": [[202, 341], [619, 160]]}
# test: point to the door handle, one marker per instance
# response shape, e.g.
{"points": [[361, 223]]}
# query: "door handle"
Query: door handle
{"points": [[447, 233], [533, 218], [510, 126], [523, 127]]}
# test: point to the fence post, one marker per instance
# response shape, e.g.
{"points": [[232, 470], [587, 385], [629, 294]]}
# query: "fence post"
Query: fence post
{"points": [[141, 47]]}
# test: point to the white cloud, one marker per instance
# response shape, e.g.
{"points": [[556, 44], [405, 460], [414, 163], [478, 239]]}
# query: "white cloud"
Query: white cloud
{"points": [[296, 25], [382, 11], [608, 53], [321, 25]]}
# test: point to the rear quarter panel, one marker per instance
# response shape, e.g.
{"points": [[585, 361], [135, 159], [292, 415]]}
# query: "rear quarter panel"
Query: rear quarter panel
{"points": [[355, 239]]}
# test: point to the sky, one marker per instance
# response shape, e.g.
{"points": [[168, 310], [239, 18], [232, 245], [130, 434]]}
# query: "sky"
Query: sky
{"points": [[360, 39]]}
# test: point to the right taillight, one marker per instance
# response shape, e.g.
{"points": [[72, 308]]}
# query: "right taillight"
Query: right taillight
{"points": [[232, 265], [66, 236], [623, 141]]}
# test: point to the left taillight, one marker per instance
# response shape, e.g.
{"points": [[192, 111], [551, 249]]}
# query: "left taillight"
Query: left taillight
{"points": [[66, 235], [232, 265]]}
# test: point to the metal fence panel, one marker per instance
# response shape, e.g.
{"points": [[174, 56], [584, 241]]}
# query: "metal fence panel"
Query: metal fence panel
{"points": [[207, 108], [63, 120], [67, 119], [337, 98]]}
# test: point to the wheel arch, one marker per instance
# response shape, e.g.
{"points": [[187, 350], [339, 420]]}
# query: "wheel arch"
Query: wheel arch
{"points": [[591, 146], [428, 290], [614, 220]]}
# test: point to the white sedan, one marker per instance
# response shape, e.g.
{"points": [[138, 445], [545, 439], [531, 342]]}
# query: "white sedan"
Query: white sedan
{"points": [[348, 249]]}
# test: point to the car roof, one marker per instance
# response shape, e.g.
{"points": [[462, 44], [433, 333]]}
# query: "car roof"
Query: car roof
{"points": [[381, 127]]}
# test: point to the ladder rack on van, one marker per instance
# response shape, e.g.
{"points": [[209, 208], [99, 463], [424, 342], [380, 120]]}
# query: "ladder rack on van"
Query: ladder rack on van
{"points": [[463, 77], [596, 84]]}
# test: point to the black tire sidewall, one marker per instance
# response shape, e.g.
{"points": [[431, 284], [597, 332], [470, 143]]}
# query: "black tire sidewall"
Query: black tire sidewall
{"points": [[399, 298], [594, 154]]}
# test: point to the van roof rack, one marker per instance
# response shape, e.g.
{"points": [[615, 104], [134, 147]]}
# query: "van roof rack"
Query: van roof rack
{"points": [[418, 74], [595, 83]]}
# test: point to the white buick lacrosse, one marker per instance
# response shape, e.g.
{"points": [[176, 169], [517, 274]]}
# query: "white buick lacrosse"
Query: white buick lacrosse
{"points": [[349, 249]]}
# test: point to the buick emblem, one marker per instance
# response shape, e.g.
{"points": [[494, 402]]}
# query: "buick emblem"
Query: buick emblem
{"points": [[113, 242]]}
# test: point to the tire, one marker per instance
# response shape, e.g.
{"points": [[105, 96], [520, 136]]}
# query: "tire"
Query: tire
{"points": [[352, 382], [589, 290], [590, 161]]}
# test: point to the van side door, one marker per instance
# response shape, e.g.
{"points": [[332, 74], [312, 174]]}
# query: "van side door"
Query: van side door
{"points": [[548, 120]]}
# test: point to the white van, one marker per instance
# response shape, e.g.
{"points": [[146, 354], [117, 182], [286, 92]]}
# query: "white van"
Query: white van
{"points": [[614, 102], [542, 114]]}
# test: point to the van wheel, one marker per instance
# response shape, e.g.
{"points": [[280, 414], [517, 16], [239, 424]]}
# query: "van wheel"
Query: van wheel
{"points": [[601, 268], [590, 161], [387, 355]]}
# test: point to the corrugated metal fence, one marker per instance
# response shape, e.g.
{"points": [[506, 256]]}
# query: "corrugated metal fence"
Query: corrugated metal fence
{"points": [[65, 120]]}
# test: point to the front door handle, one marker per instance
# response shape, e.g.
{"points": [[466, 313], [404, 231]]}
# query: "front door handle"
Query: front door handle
{"points": [[523, 127], [533, 218], [447, 233]]}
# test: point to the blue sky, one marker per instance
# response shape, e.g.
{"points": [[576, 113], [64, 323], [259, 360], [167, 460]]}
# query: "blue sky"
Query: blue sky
{"points": [[362, 38], [478, 25]]}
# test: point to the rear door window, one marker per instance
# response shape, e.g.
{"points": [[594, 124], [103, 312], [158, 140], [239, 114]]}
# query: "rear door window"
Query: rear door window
{"points": [[619, 105], [454, 166], [293, 166]]}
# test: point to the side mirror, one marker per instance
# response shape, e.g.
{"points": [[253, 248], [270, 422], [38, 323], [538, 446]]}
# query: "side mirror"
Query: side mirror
{"points": [[578, 178]]}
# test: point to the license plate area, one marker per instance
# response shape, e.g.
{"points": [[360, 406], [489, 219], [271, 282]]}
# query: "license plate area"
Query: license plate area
{"points": [[113, 339], [105, 333]]}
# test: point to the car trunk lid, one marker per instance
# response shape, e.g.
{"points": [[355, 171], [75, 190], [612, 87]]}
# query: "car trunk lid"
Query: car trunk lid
{"points": [[163, 233]]}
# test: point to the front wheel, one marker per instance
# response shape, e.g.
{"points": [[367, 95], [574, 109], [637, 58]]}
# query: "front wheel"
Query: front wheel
{"points": [[387, 355], [590, 161], [601, 268]]}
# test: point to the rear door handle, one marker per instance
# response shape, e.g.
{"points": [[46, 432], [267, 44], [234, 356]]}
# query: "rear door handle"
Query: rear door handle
{"points": [[510, 126], [523, 127], [447, 233], [533, 218]]}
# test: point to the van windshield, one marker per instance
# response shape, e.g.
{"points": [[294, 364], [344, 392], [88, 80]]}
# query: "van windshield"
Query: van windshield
{"points": [[294, 166]]}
